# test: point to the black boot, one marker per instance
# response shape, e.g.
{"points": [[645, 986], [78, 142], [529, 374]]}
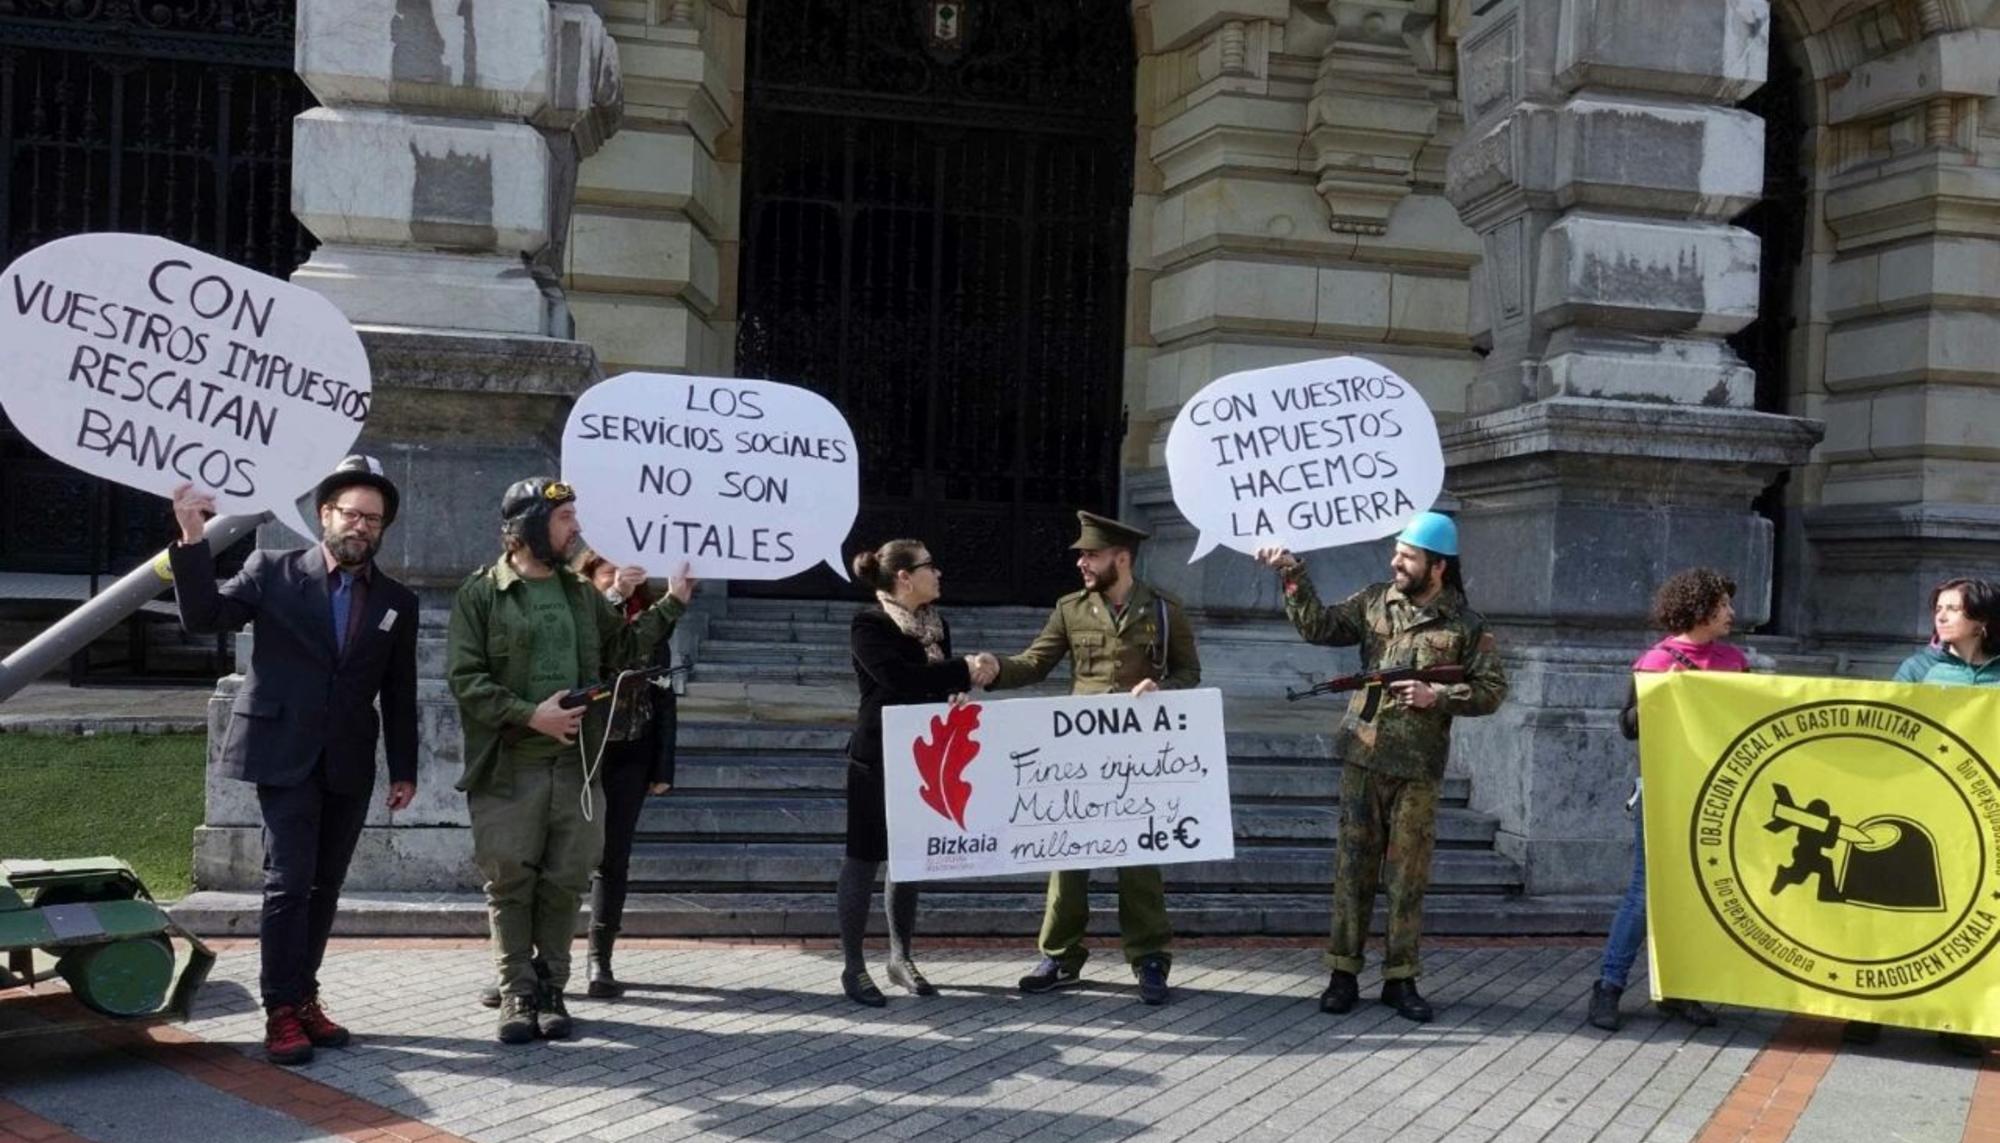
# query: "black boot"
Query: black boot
{"points": [[1402, 996], [600, 984], [1604, 1006], [1341, 992]]}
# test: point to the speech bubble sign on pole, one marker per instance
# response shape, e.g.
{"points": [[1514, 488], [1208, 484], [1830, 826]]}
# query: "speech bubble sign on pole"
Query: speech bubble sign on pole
{"points": [[741, 479], [152, 364], [1312, 455]]}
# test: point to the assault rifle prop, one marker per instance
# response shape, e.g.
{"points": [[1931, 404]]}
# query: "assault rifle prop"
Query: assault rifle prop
{"points": [[1375, 682], [598, 692]]}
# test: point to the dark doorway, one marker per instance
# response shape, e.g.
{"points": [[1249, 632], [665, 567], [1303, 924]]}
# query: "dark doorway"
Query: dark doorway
{"points": [[167, 119], [1779, 221], [935, 205]]}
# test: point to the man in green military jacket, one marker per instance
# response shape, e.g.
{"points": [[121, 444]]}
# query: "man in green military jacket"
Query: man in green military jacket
{"points": [[1392, 764], [524, 630], [1120, 635]]}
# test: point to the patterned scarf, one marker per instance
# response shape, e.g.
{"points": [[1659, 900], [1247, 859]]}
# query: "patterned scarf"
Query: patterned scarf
{"points": [[924, 625]]}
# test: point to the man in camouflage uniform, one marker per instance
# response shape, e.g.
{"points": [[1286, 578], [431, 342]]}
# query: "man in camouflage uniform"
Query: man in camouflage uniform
{"points": [[1120, 635], [1393, 764]]}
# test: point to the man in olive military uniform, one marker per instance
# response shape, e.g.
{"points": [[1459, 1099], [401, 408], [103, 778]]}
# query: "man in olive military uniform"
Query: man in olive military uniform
{"points": [[1120, 635], [1393, 764]]}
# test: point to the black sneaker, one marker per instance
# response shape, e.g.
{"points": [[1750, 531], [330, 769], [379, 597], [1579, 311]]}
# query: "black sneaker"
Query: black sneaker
{"points": [[1153, 981], [1051, 975], [1604, 1006], [1342, 990], [517, 1018], [552, 1016]]}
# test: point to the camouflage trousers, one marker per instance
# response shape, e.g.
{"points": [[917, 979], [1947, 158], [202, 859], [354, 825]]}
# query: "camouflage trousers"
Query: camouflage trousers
{"points": [[1390, 822]]}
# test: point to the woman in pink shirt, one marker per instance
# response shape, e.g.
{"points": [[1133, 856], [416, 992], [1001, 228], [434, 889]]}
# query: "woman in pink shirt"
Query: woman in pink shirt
{"points": [[1694, 607]]}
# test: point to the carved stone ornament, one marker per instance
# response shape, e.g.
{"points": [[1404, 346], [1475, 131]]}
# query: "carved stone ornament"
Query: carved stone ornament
{"points": [[1372, 109]]}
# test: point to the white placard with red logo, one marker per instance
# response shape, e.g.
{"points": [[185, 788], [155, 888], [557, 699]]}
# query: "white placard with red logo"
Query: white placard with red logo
{"points": [[1024, 786]]}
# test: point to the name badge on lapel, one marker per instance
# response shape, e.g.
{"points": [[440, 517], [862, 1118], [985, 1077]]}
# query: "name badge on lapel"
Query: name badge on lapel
{"points": [[388, 620]]}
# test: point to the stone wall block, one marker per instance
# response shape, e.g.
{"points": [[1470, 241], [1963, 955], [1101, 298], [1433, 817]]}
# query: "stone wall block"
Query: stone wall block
{"points": [[1646, 277], [486, 60], [1702, 162], [377, 285], [368, 176], [586, 92], [1714, 51], [632, 252], [1922, 345]]}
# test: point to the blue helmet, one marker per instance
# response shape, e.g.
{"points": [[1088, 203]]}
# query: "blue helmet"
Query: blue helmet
{"points": [[1433, 532]]}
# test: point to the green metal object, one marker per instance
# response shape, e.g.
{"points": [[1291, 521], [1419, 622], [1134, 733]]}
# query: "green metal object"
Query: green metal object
{"points": [[90, 922]]}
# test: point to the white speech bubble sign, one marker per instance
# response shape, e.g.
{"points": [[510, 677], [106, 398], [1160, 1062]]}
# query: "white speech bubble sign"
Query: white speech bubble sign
{"points": [[152, 364], [738, 478], [1307, 456]]}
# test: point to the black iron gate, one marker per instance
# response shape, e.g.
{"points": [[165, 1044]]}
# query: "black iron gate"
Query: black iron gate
{"points": [[935, 205], [167, 117]]}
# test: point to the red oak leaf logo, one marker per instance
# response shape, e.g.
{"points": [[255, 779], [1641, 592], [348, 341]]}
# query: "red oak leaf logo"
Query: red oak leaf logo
{"points": [[941, 762]]}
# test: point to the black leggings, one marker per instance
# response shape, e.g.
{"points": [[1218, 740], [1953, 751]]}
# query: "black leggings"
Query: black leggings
{"points": [[628, 768]]}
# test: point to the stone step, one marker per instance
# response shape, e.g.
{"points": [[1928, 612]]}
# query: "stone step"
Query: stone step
{"points": [[1316, 781], [841, 610], [792, 866], [798, 817], [943, 912]]}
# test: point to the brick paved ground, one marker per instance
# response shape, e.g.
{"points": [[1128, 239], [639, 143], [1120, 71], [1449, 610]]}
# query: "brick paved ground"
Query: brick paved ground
{"points": [[755, 1043]]}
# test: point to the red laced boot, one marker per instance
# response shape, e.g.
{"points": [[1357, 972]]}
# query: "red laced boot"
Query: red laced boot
{"points": [[320, 1028], [285, 1039]]}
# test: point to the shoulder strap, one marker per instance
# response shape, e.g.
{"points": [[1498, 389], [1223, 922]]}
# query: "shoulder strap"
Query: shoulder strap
{"points": [[1686, 663], [1160, 645]]}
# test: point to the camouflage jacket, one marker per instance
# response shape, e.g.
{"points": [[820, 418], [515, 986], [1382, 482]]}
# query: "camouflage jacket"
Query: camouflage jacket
{"points": [[1109, 655], [1393, 632]]}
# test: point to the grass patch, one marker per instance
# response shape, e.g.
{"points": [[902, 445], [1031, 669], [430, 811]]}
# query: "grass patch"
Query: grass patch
{"points": [[132, 796]]}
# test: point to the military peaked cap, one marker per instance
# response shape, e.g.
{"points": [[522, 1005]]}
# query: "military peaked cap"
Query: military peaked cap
{"points": [[1098, 532]]}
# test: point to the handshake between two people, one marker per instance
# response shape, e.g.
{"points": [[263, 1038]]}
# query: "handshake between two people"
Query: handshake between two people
{"points": [[985, 669]]}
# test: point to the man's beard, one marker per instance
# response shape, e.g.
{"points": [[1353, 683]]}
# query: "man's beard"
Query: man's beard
{"points": [[350, 549], [1107, 581]]}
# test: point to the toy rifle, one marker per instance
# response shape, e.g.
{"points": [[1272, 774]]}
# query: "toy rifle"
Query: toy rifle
{"points": [[598, 692], [1375, 682]]}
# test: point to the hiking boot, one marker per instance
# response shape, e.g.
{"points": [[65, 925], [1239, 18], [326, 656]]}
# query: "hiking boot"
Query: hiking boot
{"points": [[1692, 1011], [1402, 996], [285, 1039], [905, 975], [860, 988], [517, 1018], [319, 1027], [552, 1016], [1604, 1006], [1153, 981], [1050, 975], [1342, 990]]}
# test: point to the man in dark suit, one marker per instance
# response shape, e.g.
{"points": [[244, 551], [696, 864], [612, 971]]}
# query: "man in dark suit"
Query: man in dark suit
{"points": [[333, 632]]}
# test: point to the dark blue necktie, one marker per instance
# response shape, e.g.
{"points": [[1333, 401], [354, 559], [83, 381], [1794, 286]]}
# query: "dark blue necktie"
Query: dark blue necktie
{"points": [[343, 598]]}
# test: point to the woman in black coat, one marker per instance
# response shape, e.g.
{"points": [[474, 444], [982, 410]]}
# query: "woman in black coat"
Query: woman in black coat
{"points": [[902, 657]]}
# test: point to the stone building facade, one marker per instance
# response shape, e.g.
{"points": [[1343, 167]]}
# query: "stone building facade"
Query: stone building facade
{"points": [[1539, 211]]}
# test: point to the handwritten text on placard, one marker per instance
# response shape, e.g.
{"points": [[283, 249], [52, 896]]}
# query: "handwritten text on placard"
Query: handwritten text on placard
{"points": [[1313, 455], [741, 479], [153, 364], [1032, 785]]}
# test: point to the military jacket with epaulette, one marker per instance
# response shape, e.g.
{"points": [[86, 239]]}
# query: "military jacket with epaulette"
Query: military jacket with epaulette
{"points": [[1403, 742], [1152, 640]]}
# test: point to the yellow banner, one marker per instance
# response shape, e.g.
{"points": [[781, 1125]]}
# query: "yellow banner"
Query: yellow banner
{"points": [[1824, 846]]}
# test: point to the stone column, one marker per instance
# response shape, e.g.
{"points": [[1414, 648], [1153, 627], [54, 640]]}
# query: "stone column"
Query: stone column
{"points": [[1290, 206], [438, 174], [1611, 440], [1905, 492], [654, 238]]}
